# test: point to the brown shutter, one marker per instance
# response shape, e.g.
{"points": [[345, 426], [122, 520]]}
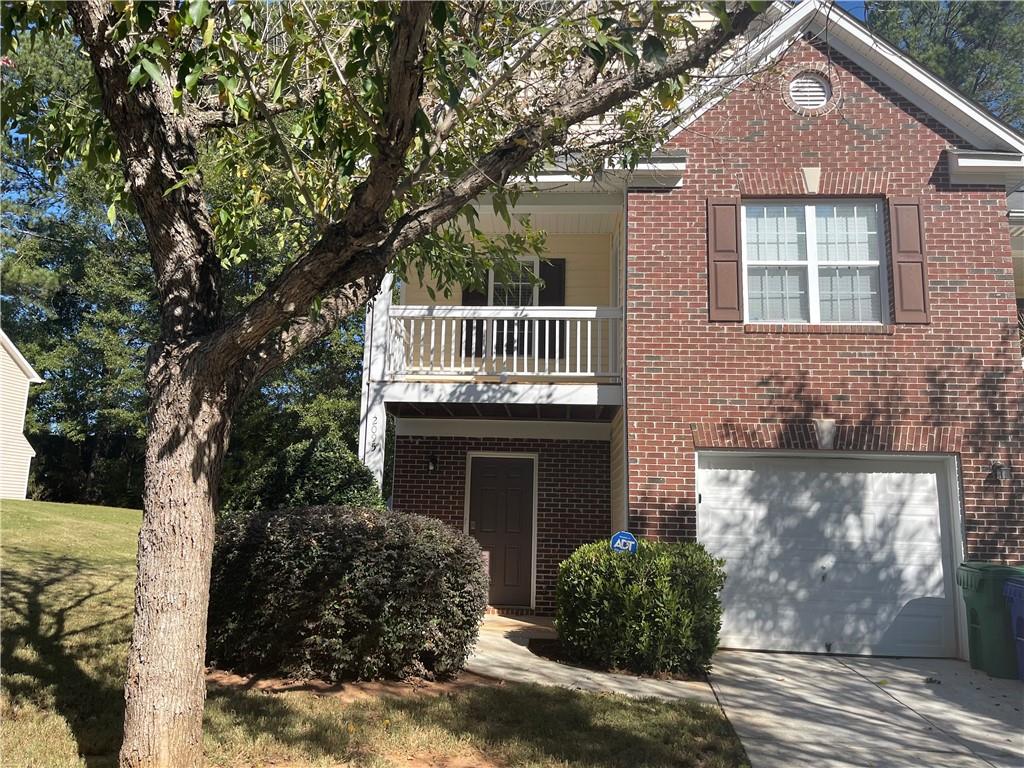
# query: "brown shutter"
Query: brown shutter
{"points": [[909, 265], [551, 294], [473, 330], [725, 272]]}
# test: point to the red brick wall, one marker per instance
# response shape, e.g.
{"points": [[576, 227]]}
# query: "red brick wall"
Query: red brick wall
{"points": [[572, 492], [954, 385]]}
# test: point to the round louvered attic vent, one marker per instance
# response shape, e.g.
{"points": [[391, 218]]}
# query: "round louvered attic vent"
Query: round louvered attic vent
{"points": [[810, 91]]}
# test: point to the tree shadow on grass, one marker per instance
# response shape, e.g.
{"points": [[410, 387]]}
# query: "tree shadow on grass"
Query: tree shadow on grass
{"points": [[509, 724], [528, 723], [237, 722], [63, 646]]}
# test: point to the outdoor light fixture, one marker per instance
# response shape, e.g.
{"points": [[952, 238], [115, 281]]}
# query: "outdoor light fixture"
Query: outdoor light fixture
{"points": [[432, 463], [1001, 471]]}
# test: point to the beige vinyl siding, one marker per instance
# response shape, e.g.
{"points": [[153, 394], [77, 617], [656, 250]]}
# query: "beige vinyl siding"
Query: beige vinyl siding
{"points": [[15, 451], [587, 276], [620, 516], [588, 283]]}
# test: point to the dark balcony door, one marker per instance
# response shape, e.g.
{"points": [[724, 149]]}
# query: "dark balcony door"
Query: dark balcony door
{"points": [[501, 519]]}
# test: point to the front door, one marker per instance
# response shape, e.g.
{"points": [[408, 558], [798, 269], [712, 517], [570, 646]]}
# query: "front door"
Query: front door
{"points": [[501, 519]]}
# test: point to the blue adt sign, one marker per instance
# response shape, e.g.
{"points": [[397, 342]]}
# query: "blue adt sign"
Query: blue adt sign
{"points": [[624, 541]]}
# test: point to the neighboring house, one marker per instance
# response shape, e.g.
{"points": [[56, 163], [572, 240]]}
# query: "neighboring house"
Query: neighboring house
{"points": [[791, 336], [15, 452]]}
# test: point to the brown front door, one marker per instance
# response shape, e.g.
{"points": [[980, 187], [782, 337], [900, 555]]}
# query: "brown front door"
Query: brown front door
{"points": [[501, 519]]}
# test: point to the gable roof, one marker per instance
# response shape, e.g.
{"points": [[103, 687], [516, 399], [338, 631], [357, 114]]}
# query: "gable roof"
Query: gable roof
{"points": [[19, 359], [849, 37]]}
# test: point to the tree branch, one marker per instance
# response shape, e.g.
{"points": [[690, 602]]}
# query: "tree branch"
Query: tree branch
{"points": [[156, 144], [356, 249], [206, 119]]}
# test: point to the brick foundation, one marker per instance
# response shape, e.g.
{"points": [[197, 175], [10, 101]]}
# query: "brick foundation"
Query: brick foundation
{"points": [[572, 492], [954, 385]]}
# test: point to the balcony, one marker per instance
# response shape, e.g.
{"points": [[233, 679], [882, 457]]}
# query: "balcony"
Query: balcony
{"points": [[504, 345]]}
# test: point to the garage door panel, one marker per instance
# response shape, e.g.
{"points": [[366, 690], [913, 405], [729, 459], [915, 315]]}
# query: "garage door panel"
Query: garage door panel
{"points": [[839, 554]]}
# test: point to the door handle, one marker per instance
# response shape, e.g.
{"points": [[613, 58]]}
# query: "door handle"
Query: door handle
{"points": [[472, 525]]}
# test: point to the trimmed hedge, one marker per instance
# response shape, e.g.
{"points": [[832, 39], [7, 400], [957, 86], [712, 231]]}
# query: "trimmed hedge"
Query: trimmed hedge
{"points": [[658, 611], [343, 593], [307, 473]]}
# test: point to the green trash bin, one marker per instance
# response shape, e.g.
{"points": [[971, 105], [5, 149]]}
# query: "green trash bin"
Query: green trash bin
{"points": [[989, 634]]}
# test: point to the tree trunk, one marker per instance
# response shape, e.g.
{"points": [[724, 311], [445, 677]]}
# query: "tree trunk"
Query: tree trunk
{"points": [[165, 691]]}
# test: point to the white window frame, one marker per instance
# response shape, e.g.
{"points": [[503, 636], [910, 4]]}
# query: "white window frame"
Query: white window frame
{"points": [[812, 264], [534, 261]]}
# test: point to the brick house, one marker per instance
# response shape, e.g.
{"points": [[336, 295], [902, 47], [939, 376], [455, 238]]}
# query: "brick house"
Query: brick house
{"points": [[792, 335]]}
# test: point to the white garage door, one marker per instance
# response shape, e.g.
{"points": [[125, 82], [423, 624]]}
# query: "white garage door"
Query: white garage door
{"points": [[839, 555]]}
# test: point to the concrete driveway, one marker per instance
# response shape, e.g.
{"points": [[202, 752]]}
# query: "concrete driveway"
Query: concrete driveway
{"points": [[836, 712]]}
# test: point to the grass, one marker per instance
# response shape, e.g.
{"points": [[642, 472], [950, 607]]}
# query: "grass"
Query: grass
{"points": [[67, 597]]}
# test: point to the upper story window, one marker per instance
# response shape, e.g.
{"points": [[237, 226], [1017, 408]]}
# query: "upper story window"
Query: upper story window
{"points": [[819, 262], [519, 289]]}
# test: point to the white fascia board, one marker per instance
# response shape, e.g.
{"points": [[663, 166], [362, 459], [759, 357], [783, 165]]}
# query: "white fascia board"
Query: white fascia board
{"points": [[978, 167], [487, 393], [505, 428], [19, 360], [853, 40], [558, 202], [666, 173], [762, 50]]}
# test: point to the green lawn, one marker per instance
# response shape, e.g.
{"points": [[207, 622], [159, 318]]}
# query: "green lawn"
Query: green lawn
{"points": [[67, 600]]}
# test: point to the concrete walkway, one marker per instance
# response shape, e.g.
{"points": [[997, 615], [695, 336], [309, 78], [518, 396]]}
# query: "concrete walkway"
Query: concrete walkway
{"points": [[840, 712], [501, 653], [805, 710]]}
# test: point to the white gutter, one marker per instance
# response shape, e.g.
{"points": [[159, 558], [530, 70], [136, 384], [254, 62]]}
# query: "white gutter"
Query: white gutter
{"points": [[969, 166]]}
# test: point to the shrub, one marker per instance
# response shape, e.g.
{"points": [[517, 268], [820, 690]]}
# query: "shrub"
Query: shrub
{"points": [[657, 611], [305, 474], [343, 593]]}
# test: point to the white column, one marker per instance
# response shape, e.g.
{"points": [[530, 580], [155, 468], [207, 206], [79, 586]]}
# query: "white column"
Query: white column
{"points": [[372, 415]]}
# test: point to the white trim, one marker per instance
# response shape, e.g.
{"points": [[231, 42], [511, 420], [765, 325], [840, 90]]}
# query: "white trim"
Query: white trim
{"points": [[977, 167], [954, 511], [852, 39], [470, 455], [533, 261], [487, 392], [811, 262], [372, 413], [505, 428], [565, 202], [510, 313], [19, 359]]}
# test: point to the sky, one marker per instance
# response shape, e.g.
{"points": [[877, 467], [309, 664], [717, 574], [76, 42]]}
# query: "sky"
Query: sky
{"points": [[855, 7]]}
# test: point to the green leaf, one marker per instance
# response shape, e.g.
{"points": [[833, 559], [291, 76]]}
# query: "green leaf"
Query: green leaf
{"points": [[112, 213], [192, 78], [208, 33], [654, 50], [281, 81], [188, 63], [147, 13], [197, 11], [154, 72], [136, 75], [472, 62], [439, 15]]}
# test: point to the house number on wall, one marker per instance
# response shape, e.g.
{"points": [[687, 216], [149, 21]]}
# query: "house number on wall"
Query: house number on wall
{"points": [[374, 444]]}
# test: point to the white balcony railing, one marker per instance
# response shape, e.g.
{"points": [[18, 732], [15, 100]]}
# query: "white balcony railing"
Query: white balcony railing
{"points": [[531, 343]]}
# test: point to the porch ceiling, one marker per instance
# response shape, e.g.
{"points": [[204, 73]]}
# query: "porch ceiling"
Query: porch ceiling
{"points": [[517, 411]]}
